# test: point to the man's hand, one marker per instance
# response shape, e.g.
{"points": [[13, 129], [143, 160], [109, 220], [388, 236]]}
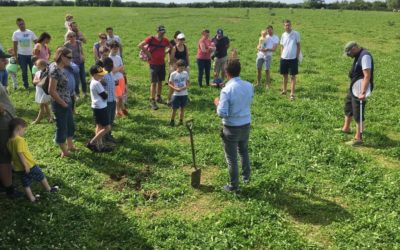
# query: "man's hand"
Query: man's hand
{"points": [[361, 97], [216, 101]]}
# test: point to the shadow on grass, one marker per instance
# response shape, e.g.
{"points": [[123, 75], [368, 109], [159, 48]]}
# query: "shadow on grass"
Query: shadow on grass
{"points": [[69, 219], [379, 140], [303, 207]]}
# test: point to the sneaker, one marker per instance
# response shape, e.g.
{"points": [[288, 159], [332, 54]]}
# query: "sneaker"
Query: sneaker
{"points": [[354, 143], [153, 105], [230, 188], [92, 147], [172, 123], [159, 99], [54, 189]]}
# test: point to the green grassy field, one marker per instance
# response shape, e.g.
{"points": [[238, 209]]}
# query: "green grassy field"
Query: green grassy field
{"points": [[308, 189]]}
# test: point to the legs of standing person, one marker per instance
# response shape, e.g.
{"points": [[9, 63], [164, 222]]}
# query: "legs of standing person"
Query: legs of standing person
{"points": [[161, 77], [70, 128], [14, 80], [259, 64], [77, 81], [230, 140], [284, 70], [82, 76], [348, 112], [42, 110], [207, 68], [201, 67], [268, 60], [356, 114], [100, 132], [219, 68], [181, 115], [244, 152], [61, 127], [111, 109], [294, 70], [24, 63]]}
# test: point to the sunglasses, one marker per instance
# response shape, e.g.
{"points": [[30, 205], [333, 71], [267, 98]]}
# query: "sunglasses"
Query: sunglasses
{"points": [[68, 57], [182, 39]]}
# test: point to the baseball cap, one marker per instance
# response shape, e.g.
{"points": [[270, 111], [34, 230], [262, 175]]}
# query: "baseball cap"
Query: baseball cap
{"points": [[4, 55], [220, 32], [97, 70], [161, 28], [349, 46], [180, 36]]}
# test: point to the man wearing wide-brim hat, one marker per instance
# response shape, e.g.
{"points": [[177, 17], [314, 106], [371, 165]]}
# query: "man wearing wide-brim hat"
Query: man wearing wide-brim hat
{"points": [[362, 68]]}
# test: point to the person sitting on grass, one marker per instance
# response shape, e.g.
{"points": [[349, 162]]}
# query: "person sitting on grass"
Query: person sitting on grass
{"points": [[41, 97], [22, 159], [179, 82], [99, 106]]}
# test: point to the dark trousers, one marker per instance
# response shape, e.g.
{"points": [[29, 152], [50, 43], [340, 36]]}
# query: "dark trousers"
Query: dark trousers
{"points": [[236, 140], [81, 78], [25, 62], [111, 106], [203, 65]]}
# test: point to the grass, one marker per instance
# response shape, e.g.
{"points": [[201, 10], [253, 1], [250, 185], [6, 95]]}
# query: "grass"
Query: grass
{"points": [[308, 190]]}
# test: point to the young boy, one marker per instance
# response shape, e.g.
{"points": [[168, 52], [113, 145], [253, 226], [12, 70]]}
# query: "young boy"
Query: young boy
{"points": [[179, 82], [99, 106], [22, 159]]}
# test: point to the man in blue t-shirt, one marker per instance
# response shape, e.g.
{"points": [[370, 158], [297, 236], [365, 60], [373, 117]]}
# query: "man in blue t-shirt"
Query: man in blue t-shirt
{"points": [[220, 56]]}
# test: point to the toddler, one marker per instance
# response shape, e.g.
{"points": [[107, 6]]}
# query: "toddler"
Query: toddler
{"points": [[22, 159]]}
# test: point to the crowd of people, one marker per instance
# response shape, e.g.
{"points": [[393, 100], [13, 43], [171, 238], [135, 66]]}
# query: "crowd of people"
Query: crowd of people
{"points": [[59, 81]]}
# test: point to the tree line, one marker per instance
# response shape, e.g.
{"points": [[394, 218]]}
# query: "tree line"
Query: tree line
{"points": [[310, 4]]}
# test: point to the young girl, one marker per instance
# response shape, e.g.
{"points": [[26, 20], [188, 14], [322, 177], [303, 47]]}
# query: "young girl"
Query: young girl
{"points": [[120, 88], [22, 159], [41, 96], [68, 20]]}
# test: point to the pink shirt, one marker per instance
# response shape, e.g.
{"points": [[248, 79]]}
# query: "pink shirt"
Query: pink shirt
{"points": [[44, 52], [204, 55]]}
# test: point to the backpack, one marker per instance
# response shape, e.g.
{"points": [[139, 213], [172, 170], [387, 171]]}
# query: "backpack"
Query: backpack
{"points": [[142, 54], [44, 80]]}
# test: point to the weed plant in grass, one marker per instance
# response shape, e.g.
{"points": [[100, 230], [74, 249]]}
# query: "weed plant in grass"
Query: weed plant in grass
{"points": [[308, 189]]}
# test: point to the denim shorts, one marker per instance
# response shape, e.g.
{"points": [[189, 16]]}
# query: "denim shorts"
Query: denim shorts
{"points": [[179, 101], [35, 174]]}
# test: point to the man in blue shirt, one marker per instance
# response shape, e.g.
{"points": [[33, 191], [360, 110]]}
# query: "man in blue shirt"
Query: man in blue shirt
{"points": [[234, 107]]}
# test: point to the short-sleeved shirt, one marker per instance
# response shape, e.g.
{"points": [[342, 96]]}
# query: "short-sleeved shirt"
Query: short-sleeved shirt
{"points": [[62, 82], [179, 80], [270, 42], [289, 42], [76, 51], [157, 49], [203, 55], [221, 46], [115, 38], [70, 72], [95, 89], [18, 145], [25, 41], [117, 60], [110, 86], [366, 62]]}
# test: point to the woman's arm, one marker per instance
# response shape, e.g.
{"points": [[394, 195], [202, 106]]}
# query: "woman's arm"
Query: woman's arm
{"points": [[53, 92]]}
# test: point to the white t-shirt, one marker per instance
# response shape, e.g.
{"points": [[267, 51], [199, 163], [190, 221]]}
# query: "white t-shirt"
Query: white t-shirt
{"points": [[180, 81], [366, 62], [289, 42], [117, 60], [271, 41], [25, 41], [95, 89]]}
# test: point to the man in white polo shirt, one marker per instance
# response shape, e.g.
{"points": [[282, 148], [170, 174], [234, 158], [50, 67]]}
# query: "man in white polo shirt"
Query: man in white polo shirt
{"points": [[23, 40], [290, 51], [264, 57]]}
